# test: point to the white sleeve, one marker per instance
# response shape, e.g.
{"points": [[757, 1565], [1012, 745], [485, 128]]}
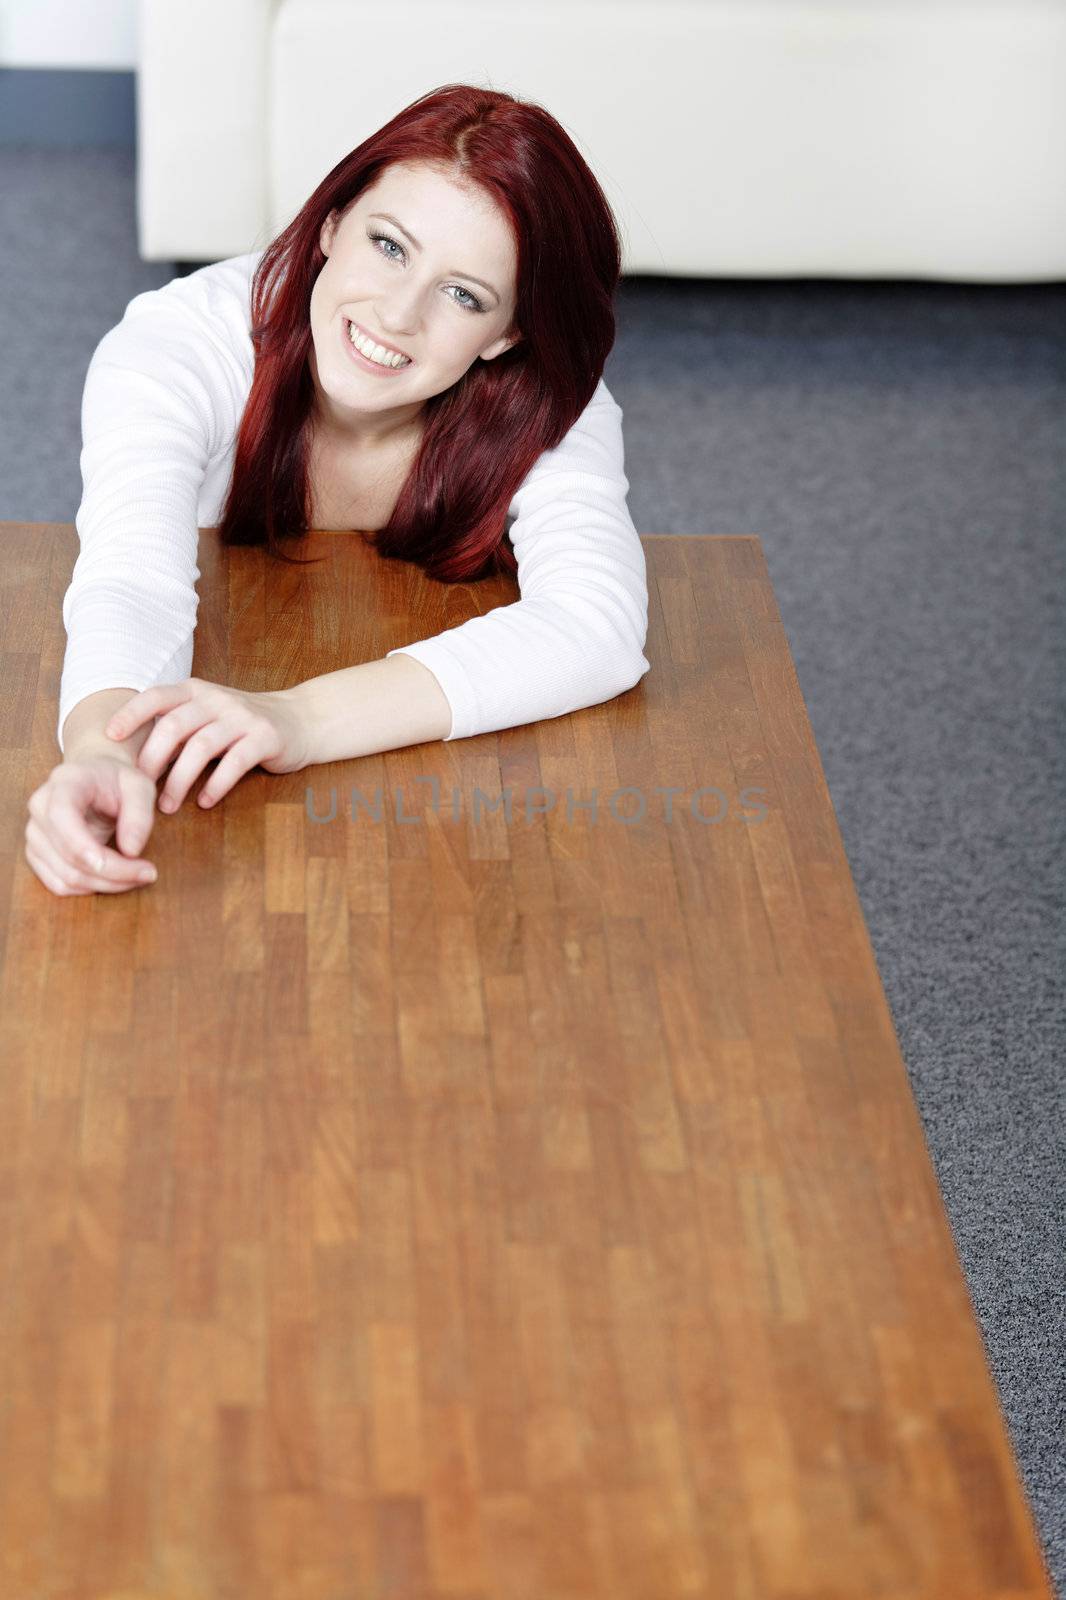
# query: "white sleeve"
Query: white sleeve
{"points": [[576, 637], [159, 391]]}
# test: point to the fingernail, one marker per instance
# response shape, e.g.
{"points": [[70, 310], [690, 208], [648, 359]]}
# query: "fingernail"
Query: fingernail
{"points": [[98, 863], [147, 874], [166, 803]]}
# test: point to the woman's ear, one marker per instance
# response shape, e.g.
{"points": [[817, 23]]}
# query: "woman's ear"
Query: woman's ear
{"points": [[325, 237], [498, 346]]}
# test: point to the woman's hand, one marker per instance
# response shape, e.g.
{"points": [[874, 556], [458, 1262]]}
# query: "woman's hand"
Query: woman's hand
{"points": [[253, 729], [73, 814]]}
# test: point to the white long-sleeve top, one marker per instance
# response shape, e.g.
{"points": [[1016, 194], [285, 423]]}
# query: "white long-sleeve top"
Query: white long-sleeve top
{"points": [[161, 407]]}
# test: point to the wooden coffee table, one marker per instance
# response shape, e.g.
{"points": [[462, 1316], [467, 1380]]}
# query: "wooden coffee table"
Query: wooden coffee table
{"points": [[442, 1204]]}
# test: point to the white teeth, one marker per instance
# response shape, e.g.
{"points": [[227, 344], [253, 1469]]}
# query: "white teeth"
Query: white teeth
{"points": [[375, 352]]}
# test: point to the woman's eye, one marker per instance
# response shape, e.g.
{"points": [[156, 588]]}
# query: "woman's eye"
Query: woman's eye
{"points": [[383, 238], [470, 303]]}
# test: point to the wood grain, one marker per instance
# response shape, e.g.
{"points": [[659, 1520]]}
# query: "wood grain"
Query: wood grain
{"points": [[448, 1206]]}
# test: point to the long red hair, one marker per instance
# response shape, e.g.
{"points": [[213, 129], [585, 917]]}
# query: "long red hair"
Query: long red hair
{"points": [[483, 434]]}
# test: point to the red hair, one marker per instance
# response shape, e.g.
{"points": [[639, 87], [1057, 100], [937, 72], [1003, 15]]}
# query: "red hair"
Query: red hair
{"points": [[483, 434]]}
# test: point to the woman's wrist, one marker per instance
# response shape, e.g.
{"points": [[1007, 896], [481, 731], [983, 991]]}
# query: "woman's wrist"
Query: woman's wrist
{"points": [[83, 730], [378, 705]]}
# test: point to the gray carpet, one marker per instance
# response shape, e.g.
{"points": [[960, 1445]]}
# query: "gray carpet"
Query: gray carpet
{"points": [[900, 449]]}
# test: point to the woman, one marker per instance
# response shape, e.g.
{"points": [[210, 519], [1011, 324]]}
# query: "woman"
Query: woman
{"points": [[419, 354]]}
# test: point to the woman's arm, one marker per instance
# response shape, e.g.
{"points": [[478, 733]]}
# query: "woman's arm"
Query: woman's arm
{"points": [[160, 397], [576, 637]]}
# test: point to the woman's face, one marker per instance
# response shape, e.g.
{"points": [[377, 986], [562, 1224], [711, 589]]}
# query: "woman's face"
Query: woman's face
{"points": [[444, 302]]}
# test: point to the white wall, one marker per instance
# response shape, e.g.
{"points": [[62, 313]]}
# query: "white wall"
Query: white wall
{"points": [[69, 33]]}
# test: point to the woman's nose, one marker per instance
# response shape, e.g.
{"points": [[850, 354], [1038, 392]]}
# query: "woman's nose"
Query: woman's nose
{"points": [[400, 312]]}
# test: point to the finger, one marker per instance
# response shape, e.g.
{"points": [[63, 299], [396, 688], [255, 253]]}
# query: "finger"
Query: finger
{"points": [[75, 844], [48, 877], [136, 817], [204, 745], [148, 703], [64, 878], [170, 733], [239, 759], [116, 870]]}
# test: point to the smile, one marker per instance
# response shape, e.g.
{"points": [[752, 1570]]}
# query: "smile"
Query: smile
{"points": [[379, 357]]}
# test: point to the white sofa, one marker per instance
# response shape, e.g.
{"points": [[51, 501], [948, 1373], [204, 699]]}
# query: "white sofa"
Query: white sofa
{"points": [[738, 138]]}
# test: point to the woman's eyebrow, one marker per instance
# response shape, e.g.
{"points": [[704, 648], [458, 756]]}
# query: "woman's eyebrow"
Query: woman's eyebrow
{"points": [[384, 217]]}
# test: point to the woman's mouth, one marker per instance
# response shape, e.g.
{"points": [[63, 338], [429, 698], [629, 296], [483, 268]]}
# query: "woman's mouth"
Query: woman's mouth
{"points": [[374, 357]]}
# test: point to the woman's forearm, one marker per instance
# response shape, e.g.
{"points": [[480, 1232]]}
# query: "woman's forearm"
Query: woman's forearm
{"points": [[379, 705], [83, 731]]}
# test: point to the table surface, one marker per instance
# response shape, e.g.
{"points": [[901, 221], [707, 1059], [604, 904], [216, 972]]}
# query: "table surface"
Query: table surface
{"points": [[446, 1203]]}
